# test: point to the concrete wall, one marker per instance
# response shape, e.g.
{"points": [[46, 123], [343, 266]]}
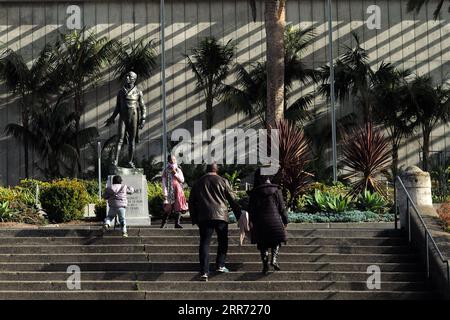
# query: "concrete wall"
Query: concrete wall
{"points": [[411, 40]]}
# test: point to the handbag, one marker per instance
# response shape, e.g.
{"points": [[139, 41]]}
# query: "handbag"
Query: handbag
{"points": [[167, 208]]}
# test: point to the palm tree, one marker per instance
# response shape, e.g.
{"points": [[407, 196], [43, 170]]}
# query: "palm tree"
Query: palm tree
{"points": [[52, 133], [355, 78], [81, 58], [249, 95], [28, 83], [427, 105], [274, 22], [417, 5], [296, 42], [390, 111], [352, 77], [211, 63], [135, 56]]}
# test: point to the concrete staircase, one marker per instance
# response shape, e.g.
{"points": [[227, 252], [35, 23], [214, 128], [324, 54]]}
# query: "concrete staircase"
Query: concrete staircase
{"points": [[319, 262]]}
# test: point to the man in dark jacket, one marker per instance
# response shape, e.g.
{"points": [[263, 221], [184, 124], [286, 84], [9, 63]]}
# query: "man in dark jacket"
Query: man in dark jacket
{"points": [[208, 209]]}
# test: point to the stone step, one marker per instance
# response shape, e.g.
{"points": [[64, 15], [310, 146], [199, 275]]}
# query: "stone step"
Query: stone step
{"points": [[210, 286], [189, 257], [188, 225], [194, 267], [118, 248], [291, 295], [135, 232], [220, 295], [231, 276], [108, 240]]}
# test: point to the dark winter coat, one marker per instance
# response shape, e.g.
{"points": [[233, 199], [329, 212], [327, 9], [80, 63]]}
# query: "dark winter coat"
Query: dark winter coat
{"points": [[268, 215], [209, 197]]}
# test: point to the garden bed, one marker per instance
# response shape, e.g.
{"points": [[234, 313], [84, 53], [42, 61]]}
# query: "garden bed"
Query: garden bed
{"points": [[342, 217]]}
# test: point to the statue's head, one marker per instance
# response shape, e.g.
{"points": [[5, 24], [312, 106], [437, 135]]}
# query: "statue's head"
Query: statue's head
{"points": [[130, 78]]}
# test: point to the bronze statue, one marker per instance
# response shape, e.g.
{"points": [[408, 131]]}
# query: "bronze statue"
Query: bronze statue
{"points": [[131, 110]]}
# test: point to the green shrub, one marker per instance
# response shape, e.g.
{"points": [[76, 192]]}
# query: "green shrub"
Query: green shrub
{"points": [[187, 193], [17, 194], [100, 209], [6, 213], [30, 184], [19, 212], [155, 199], [374, 202], [91, 187], [300, 203], [322, 217], [64, 200], [337, 188], [328, 202], [26, 214], [346, 216], [233, 179]]}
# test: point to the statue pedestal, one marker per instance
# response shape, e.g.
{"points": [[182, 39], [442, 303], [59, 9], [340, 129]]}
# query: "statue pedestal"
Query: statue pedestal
{"points": [[137, 210]]}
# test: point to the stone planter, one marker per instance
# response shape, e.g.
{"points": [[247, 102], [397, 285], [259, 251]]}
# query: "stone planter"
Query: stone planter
{"points": [[418, 185]]}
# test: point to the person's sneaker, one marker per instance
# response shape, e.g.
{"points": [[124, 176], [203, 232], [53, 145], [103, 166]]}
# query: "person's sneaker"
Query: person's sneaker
{"points": [[105, 227], [223, 270], [124, 234], [204, 277]]}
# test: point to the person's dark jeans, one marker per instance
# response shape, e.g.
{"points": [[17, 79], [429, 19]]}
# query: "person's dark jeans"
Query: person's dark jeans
{"points": [[206, 231]]}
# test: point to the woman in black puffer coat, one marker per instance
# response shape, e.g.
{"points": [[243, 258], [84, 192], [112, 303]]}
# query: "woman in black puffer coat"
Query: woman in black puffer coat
{"points": [[268, 218]]}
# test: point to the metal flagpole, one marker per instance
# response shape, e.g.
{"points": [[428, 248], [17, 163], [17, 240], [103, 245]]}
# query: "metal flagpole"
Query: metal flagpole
{"points": [[99, 155], [163, 81], [332, 93]]}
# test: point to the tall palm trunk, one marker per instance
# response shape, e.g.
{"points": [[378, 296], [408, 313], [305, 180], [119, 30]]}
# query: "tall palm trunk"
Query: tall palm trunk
{"points": [[426, 147], [25, 123], [209, 106], [275, 20], [367, 117], [78, 114], [394, 167]]}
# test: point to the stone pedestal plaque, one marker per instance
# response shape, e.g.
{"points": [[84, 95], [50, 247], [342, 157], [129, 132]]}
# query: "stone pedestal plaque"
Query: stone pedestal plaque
{"points": [[137, 209]]}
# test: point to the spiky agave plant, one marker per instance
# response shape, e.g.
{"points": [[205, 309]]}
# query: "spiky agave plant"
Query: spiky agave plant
{"points": [[366, 153], [294, 154]]}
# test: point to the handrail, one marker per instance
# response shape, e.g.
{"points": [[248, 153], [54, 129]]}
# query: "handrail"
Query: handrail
{"points": [[428, 235]]}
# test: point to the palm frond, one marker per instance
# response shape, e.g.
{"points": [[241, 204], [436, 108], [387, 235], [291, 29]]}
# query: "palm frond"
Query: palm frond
{"points": [[138, 56], [19, 132], [298, 111], [14, 71]]}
